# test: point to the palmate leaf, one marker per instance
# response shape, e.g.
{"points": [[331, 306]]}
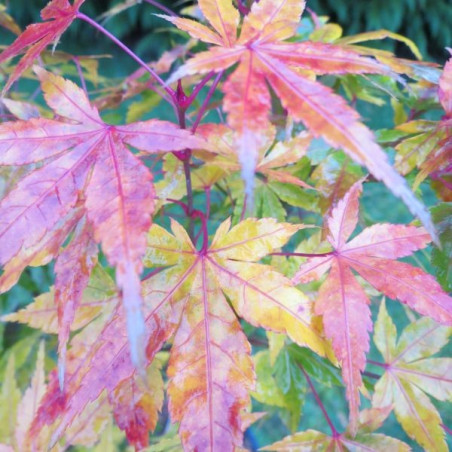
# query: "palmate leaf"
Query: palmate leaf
{"points": [[410, 373], [264, 57], [58, 14], [365, 440], [134, 405], [270, 163], [19, 409], [442, 257], [274, 182], [210, 367], [429, 146], [210, 364], [341, 300], [289, 395], [72, 271], [42, 313], [86, 173], [439, 160]]}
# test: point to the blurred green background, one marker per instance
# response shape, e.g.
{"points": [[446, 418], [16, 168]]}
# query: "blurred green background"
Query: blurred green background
{"points": [[427, 22]]}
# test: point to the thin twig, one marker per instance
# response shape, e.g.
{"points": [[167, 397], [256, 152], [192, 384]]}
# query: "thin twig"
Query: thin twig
{"points": [[330, 253], [376, 363], [371, 375], [161, 7], [319, 402], [129, 52], [185, 156], [205, 104], [198, 88], [80, 74]]}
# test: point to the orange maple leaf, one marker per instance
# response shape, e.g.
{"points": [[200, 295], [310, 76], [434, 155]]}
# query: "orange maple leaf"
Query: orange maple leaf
{"points": [[58, 14], [86, 171], [288, 67], [341, 300], [210, 366]]}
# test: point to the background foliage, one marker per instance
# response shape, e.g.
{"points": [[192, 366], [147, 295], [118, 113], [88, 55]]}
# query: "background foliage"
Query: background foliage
{"points": [[426, 22]]}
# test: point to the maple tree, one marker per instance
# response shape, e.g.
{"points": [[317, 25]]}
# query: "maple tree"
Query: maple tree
{"points": [[265, 286]]}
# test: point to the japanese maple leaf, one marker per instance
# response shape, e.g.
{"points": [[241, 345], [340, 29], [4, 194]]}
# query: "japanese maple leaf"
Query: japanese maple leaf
{"points": [[439, 161], [134, 404], [270, 163], [333, 177], [85, 170], [210, 367], [98, 297], [19, 409], [274, 181], [341, 300], [263, 58], [58, 14], [429, 146], [411, 373], [365, 440]]}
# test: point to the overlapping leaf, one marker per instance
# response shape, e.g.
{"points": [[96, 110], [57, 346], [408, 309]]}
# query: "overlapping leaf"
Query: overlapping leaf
{"points": [[275, 182], [17, 410], [134, 404], [411, 373], [429, 145], [442, 257], [280, 380], [58, 15], [210, 368], [210, 339], [85, 169], [439, 161], [341, 300], [42, 313], [277, 169], [364, 440], [99, 359], [264, 57], [334, 176], [270, 163], [289, 396], [72, 269]]}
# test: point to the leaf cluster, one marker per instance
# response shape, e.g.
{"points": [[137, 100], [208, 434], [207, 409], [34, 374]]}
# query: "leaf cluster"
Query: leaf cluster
{"points": [[229, 239]]}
